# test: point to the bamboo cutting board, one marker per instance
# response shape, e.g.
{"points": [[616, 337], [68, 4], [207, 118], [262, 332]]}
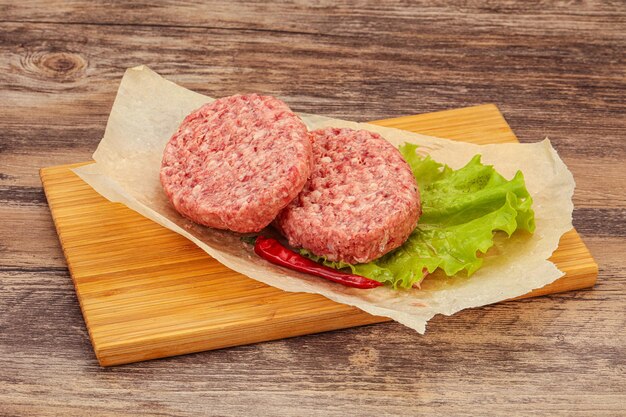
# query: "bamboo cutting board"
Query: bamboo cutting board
{"points": [[146, 292]]}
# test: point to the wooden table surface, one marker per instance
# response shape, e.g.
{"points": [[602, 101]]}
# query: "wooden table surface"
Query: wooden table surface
{"points": [[555, 69]]}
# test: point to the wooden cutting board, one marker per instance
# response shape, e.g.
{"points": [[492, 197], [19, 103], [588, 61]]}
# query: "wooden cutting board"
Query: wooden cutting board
{"points": [[146, 292]]}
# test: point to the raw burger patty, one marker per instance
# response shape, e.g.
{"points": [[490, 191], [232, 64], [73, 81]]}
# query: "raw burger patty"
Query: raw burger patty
{"points": [[360, 202], [236, 162]]}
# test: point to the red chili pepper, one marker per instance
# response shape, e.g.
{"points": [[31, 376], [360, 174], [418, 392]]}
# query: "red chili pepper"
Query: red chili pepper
{"points": [[271, 250]]}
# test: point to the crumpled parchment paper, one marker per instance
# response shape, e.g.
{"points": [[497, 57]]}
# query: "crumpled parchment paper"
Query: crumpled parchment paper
{"points": [[148, 109]]}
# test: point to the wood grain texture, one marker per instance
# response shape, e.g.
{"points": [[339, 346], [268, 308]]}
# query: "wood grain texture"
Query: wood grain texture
{"points": [[146, 292], [554, 69]]}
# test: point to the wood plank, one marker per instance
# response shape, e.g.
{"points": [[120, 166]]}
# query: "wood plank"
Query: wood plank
{"points": [[335, 18], [403, 75], [146, 292]]}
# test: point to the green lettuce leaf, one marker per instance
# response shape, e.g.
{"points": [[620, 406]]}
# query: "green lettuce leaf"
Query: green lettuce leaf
{"points": [[462, 211]]}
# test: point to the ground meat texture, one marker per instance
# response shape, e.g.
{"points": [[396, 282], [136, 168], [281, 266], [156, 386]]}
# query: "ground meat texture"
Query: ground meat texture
{"points": [[236, 162], [360, 202]]}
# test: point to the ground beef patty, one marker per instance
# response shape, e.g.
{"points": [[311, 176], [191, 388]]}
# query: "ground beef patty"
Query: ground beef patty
{"points": [[236, 162], [360, 202]]}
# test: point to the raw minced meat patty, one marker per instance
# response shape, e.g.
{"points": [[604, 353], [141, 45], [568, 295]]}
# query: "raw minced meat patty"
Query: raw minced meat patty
{"points": [[360, 202], [236, 162]]}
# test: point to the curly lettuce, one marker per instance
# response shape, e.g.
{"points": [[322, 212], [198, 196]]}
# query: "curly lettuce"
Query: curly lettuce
{"points": [[462, 211]]}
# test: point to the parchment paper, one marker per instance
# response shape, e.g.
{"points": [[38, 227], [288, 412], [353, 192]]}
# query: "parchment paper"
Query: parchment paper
{"points": [[148, 109]]}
